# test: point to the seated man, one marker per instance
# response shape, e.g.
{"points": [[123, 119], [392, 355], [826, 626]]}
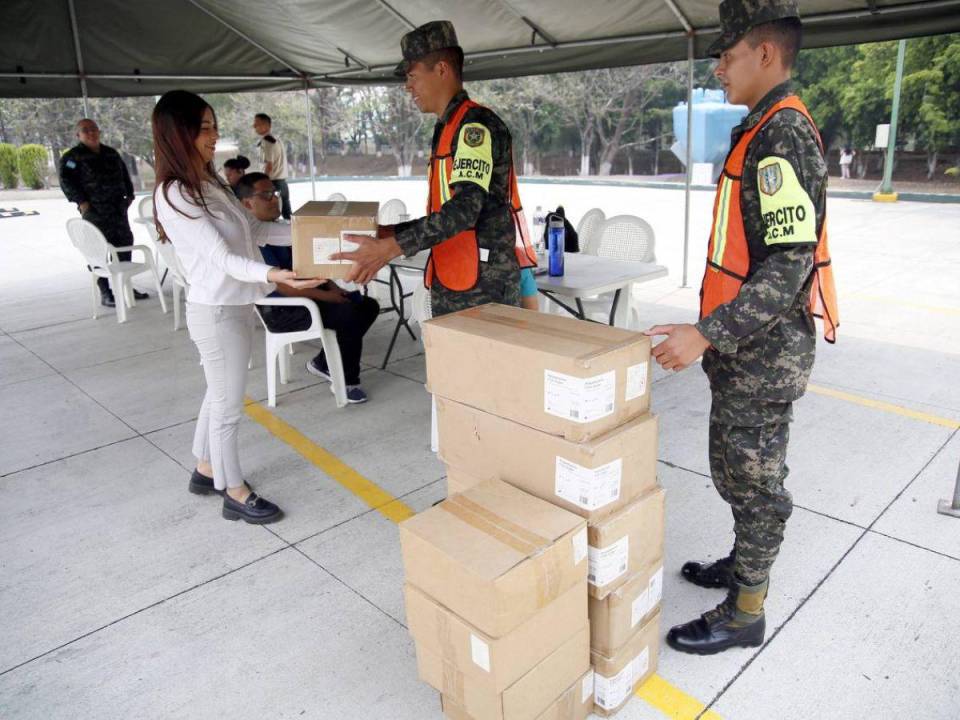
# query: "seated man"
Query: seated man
{"points": [[349, 314]]}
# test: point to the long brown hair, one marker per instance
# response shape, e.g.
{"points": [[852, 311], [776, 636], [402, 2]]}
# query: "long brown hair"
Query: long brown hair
{"points": [[176, 121]]}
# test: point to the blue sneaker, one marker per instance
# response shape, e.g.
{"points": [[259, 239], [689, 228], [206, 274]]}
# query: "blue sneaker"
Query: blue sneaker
{"points": [[355, 394], [315, 368]]}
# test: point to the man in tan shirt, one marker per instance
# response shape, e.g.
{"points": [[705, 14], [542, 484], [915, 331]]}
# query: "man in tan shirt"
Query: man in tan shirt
{"points": [[273, 160]]}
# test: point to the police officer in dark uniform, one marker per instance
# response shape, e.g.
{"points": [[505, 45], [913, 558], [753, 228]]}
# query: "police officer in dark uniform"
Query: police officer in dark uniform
{"points": [[94, 176], [473, 225], [768, 274]]}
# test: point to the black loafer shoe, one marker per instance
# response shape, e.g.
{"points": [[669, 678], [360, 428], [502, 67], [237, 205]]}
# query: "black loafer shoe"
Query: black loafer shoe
{"points": [[718, 574], [255, 510], [107, 300], [202, 485], [137, 295]]}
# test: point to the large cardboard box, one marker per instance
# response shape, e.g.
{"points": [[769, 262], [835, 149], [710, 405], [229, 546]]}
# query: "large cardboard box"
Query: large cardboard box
{"points": [[617, 676], [526, 699], [559, 375], [317, 232], [459, 481], [576, 703], [494, 555], [615, 619], [593, 479], [502, 660], [625, 543]]}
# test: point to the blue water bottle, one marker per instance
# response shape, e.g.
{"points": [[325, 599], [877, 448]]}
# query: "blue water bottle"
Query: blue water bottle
{"points": [[556, 243]]}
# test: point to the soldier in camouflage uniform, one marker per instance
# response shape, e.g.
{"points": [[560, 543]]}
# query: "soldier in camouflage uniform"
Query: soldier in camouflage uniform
{"points": [[94, 176], [758, 348], [480, 184]]}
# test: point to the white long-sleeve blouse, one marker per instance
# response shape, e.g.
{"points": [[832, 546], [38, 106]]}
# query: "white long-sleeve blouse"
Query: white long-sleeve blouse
{"points": [[218, 247]]}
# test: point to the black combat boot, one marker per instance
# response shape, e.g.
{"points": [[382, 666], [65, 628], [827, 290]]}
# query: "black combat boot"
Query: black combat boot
{"points": [[718, 574], [736, 622]]}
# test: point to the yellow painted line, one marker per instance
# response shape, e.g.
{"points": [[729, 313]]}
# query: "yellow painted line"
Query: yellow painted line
{"points": [[668, 699], [885, 407], [906, 303], [672, 701], [369, 492]]}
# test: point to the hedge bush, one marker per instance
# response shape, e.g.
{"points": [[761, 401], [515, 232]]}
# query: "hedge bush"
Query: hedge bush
{"points": [[9, 172], [33, 165]]}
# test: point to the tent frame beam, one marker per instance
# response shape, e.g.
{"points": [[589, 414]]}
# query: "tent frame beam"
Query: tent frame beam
{"points": [[76, 46]]}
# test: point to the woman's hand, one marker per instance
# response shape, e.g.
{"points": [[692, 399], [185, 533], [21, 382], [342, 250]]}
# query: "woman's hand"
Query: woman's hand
{"points": [[289, 278]]}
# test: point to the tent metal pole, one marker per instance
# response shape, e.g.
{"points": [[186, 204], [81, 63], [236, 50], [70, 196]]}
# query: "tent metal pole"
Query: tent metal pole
{"points": [[886, 187], [948, 507], [689, 178], [76, 47], [313, 173]]}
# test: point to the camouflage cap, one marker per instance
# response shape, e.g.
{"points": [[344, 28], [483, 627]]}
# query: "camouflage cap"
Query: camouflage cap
{"points": [[738, 16], [428, 38]]}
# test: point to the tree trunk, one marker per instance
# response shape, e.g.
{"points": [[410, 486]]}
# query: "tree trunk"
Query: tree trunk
{"points": [[931, 164]]}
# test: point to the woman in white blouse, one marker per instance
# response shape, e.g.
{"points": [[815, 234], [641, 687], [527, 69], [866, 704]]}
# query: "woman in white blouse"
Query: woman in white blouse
{"points": [[216, 241]]}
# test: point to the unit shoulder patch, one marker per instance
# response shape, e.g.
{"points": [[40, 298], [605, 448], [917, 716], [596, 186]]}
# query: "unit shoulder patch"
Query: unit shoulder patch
{"points": [[770, 177], [473, 159]]}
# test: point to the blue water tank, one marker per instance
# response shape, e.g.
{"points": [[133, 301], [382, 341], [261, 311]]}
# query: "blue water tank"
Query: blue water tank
{"points": [[713, 119]]}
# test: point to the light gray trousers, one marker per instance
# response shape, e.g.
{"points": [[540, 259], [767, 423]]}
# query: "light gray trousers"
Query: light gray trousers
{"points": [[223, 335]]}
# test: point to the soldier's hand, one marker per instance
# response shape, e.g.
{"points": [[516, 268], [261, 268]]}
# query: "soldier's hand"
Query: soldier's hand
{"points": [[371, 255], [683, 345], [83, 208]]}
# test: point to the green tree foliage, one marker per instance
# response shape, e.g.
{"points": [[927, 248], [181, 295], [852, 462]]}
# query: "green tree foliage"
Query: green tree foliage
{"points": [[9, 170], [32, 162]]}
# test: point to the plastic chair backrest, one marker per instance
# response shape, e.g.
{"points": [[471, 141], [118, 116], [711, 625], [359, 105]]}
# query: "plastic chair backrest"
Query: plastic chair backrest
{"points": [[627, 237], [391, 211], [145, 207], [589, 230], [170, 259], [87, 238], [336, 197]]}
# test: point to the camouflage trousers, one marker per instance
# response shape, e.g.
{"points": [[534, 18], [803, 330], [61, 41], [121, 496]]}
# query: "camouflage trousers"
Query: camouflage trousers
{"points": [[748, 465], [503, 289]]}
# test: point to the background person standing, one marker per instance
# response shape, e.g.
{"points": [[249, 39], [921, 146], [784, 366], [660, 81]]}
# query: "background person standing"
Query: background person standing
{"points": [[94, 176], [273, 160]]}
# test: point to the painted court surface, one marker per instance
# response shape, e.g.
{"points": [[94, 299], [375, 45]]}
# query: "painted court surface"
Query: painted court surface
{"points": [[123, 596]]}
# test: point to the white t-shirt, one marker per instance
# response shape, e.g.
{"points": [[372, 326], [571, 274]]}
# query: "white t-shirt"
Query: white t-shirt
{"points": [[218, 247], [275, 153]]}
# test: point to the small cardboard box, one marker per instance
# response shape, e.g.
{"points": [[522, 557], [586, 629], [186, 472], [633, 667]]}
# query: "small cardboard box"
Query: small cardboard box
{"points": [[559, 375], [317, 232], [615, 619], [494, 555], [501, 661], [526, 699], [593, 479], [576, 703], [625, 543], [617, 677]]}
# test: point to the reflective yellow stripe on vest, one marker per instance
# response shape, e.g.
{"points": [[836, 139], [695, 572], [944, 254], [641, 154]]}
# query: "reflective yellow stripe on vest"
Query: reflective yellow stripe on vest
{"points": [[723, 219]]}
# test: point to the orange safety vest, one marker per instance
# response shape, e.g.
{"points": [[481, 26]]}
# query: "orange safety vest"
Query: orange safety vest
{"points": [[456, 261], [728, 254]]}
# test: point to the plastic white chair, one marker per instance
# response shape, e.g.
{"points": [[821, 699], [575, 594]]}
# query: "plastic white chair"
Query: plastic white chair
{"points": [[622, 237], [588, 230], [104, 262], [391, 211], [145, 207], [336, 197], [276, 343], [423, 311], [178, 277]]}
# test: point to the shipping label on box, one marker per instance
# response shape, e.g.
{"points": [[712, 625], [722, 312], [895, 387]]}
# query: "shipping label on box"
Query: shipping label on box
{"points": [[609, 563], [617, 677], [610, 693], [593, 479], [558, 375]]}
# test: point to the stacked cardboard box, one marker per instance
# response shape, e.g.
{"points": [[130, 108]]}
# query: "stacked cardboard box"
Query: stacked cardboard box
{"points": [[560, 409], [496, 598]]}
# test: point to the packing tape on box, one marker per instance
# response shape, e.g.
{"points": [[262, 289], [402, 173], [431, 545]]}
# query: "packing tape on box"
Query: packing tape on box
{"points": [[489, 523], [548, 583], [445, 636], [516, 324]]}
